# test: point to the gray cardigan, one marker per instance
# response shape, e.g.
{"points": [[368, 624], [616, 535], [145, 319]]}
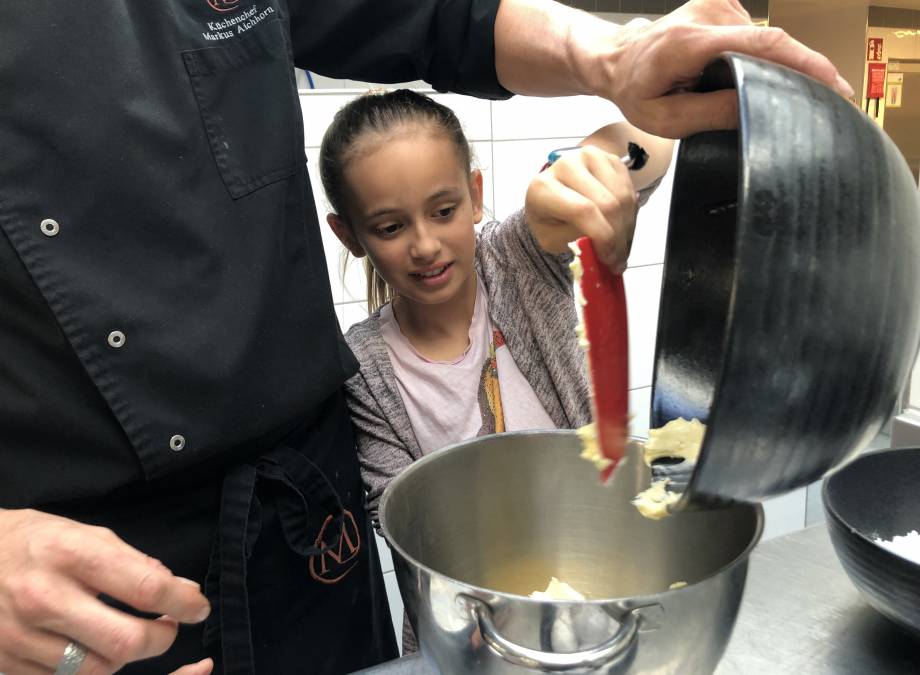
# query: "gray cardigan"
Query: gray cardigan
{"points": [[530, 302]]}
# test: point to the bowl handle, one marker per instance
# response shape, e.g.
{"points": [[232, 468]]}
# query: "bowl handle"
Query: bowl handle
{"points": [[616, 648]]}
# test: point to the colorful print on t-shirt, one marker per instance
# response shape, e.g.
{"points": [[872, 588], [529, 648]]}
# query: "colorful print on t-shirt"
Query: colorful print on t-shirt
{"points": [[459, 399], [490, 399]]}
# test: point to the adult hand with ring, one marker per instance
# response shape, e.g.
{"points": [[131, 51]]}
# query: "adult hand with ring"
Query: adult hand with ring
{"points": [[74, 654], [52, 571]]}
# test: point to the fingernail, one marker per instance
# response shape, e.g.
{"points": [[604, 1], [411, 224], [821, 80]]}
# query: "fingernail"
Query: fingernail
{"points": [[203, 614], [844, 87], [189, 582]]}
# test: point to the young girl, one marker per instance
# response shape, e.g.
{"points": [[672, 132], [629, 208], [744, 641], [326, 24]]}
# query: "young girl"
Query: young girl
{"points": [[469, 333]]}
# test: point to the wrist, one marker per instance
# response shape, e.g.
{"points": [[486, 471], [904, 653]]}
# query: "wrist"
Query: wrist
{"points": [[549, 238], [597, 54]]}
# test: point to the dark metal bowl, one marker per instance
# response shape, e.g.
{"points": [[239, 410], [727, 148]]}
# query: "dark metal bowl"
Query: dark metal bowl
{"points": [[788, 319], [878, 496]]}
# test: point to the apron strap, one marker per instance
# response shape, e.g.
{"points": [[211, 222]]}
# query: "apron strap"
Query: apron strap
{"points": [[294, 482]]}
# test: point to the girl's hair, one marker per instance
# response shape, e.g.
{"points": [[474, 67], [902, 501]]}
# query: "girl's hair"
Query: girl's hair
{"points": [[379, 113]]}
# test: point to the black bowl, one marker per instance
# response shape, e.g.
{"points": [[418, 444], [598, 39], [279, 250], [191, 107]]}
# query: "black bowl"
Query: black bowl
{"points": [[878, 496], [788, 320]]}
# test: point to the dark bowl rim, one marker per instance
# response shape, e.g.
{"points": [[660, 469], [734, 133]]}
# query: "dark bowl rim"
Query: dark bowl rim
{"points": [[739, 559], [839, 520], [730, 64], [736, 71]]}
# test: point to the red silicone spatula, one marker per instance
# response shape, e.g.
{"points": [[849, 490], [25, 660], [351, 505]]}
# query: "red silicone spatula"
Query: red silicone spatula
{"points": [[605, 329], [604, 316]]}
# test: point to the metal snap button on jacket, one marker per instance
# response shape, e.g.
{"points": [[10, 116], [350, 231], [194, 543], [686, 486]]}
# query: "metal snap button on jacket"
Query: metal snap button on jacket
{"points": [[50, 227]]}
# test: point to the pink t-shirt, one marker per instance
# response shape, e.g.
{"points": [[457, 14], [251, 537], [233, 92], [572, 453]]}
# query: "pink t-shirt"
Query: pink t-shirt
{"points": [[481, 392]]}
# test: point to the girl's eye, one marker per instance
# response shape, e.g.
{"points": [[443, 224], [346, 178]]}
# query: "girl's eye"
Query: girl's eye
{"points": [[388, 230], [445, 212]]}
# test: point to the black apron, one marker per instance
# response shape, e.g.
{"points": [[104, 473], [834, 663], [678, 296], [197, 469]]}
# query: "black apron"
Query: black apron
{"points": [[294, 580], [292, 570], [166, 310]]}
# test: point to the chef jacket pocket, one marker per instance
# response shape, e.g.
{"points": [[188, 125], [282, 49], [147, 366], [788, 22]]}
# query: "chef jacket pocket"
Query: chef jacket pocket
{"points": [[247, 99]]}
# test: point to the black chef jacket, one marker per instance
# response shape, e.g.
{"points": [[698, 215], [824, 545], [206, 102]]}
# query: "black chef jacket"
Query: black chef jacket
{"points": [[165, 313]]}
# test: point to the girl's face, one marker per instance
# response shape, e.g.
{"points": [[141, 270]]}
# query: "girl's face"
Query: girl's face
{"points": [[412, 206]]}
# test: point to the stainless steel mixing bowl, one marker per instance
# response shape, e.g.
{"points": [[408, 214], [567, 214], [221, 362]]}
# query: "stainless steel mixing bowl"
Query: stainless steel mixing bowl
{"points": [[478, 526]]}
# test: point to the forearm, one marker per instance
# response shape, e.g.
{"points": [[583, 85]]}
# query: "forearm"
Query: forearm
{"points": [[543, 48], [650, 70]]}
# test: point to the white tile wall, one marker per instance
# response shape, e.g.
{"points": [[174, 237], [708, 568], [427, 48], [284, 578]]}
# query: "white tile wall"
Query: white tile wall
{"points": [[524, 117], [652, 223], [511, 140], [352, 313], [392, 588], [318, 109], [784, 514], [396, 603], [484, 161], [333, 249], [814, 508], [515, 162], [353, 280], [475, 114], [643, 286], [640, 402], [321, 82], [386, 557]]}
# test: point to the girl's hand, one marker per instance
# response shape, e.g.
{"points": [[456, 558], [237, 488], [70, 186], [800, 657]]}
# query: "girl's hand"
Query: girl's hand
{"points": [[589, 193]]}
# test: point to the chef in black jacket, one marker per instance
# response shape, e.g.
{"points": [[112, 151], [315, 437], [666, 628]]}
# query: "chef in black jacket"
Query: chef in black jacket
{"points": [[170, 361]]}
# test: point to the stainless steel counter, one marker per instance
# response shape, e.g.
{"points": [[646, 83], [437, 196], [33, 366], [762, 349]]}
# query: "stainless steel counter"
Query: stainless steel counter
{"points": [[800, 614]]}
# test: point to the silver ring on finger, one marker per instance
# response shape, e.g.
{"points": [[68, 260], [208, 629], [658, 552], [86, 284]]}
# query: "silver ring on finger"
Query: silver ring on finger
{"points": [[74, 655]]}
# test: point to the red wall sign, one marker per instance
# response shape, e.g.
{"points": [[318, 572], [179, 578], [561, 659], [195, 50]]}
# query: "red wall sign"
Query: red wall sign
{"points": [[874, 49], [875, 86]]}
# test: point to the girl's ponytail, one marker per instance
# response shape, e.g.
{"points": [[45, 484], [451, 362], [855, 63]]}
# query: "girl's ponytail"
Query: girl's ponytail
{"points": [[379, 291]]}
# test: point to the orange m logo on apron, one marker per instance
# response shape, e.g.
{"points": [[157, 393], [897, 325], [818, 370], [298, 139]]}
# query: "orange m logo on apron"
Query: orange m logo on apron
{"points": [[224, 5], [339, 549]]}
